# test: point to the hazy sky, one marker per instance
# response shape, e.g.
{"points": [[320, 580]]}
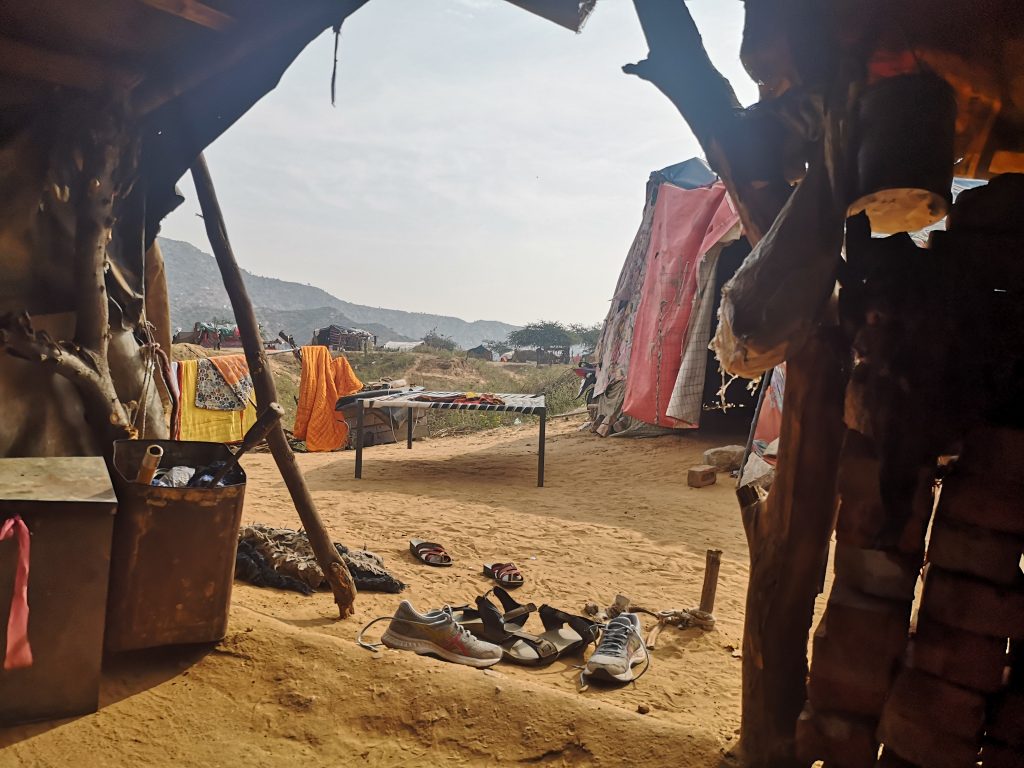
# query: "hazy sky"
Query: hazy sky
{"points": [[481, 161]]}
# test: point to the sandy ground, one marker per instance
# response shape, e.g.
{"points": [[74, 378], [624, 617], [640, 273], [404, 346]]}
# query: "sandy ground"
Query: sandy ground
{"points": [[289, 682]]}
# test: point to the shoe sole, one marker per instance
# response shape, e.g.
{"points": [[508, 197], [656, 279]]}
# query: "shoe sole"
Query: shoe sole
{"points": [[427, 648], [626, 677]]}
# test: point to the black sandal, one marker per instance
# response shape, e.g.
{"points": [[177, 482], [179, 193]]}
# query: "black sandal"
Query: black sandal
{"points": [[521, 647]]}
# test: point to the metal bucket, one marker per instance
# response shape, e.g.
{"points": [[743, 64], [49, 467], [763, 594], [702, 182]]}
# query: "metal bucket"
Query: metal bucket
{"points": [[907, 128], [173, 559]]}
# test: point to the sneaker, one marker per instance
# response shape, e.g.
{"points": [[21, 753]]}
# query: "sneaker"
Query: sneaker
{"points": [[621, 648], [438, 633]]}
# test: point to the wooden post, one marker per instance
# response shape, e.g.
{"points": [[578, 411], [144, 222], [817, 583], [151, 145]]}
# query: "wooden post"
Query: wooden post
{"points": [[327, 557], [787, 536], [711, 567]]}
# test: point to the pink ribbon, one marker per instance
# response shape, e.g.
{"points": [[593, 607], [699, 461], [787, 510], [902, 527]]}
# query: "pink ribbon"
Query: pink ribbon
{"points": [[19, 653]]}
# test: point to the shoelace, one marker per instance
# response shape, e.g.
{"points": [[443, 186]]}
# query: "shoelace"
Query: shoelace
{"points": [[447, 609], [617, 642]]}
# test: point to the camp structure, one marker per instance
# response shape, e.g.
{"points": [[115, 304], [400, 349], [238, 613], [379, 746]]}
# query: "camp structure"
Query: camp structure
{"points": [[341, 339], [480, 352], [211, 336], [655, 371], [903, 365], [105, 106]]}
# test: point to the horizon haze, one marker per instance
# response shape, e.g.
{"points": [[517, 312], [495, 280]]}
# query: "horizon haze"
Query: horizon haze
{"points": [[481, 162]]}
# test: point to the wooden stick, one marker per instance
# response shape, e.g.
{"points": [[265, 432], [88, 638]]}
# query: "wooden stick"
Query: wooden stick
{"points": [[327, 557], [707, 594], [194, 11]]}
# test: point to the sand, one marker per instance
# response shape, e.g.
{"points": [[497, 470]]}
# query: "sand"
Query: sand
{"points": [[289, 682]]}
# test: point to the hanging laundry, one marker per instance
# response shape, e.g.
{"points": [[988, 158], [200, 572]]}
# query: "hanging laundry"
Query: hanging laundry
{"points": [[323, 382], [206, 424], [18, 654], [223, 383]]}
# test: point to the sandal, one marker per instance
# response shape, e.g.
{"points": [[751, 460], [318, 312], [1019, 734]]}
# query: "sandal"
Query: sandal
{"points": [[430, 553], [504, 573], [515, 614], [521, 647]]}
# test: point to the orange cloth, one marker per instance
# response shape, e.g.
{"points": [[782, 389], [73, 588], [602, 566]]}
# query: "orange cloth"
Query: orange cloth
{"points": [[233, 368], [323, 381]]}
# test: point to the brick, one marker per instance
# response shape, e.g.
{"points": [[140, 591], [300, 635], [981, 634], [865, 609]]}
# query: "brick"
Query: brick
{"points": [[841, 741], [963, 548], [937, 705], [983, 501], [700, 476], [924, 745], [974, 605], [963, 658], [996, 755], [877, 572], [855, 653], [1007, 721]]}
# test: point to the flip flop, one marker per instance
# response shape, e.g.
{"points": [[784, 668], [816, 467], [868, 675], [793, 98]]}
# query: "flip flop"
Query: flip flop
{"points": [[430, 553], [506, 574]]}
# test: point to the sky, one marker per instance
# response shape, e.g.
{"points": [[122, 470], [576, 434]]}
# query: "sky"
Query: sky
{"points": [[480, 161]]}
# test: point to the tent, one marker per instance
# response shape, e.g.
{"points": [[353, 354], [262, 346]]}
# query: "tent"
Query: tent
{"points": [[655, 372]]}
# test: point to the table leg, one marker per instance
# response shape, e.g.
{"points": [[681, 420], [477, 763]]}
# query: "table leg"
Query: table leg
{"points": [[408, 437], [540, 448], [359, 439]]}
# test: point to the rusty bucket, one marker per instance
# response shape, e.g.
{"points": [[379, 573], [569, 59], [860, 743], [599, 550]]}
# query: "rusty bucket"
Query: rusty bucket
{"points": [[173, 558]]}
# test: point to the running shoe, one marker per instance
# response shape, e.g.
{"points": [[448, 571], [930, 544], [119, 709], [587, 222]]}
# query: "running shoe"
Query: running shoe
{"points": [[437, 633], [621, 648]]}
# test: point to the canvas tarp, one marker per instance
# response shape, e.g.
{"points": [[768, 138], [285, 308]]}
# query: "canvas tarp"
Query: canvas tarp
{"points": [[687, 224]]}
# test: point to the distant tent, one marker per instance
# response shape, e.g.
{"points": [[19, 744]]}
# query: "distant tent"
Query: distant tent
{"points": [[338, 337], [655, 372], [480, 353]]}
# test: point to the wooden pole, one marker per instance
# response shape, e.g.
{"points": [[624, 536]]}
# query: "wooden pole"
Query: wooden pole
{"points": [[711, 568], [787, 536], [327, 557]]}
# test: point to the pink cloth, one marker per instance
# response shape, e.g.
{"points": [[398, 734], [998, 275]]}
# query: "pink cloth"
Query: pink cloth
{"points": [[687, 223], [19, 653]]}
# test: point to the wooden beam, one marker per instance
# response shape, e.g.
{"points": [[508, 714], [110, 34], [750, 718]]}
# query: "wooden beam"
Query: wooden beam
{"points": [[194, 11], [70, 70], [327, 556], [314, 16]]}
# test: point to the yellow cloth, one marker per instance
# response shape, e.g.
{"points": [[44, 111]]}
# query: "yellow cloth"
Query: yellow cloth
{"points": [[205, 424], [323, 381]]}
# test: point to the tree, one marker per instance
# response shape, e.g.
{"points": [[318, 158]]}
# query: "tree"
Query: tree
{"points": [[586, 336], [542, 334], [436, 340], [498, 346]]}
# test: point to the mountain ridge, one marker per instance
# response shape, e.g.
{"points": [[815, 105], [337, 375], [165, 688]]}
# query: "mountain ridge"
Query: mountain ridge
{"points": [[197, 294]]}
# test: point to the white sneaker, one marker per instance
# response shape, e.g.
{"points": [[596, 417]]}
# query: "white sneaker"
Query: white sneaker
{"points": [[437, 633], [621, 648]]}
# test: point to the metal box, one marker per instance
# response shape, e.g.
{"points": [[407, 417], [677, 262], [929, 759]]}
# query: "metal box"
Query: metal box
{"points": [[68, 506], [173, 561]]}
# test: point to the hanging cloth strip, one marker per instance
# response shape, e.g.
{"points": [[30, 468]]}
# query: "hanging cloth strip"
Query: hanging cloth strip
{"points": [[19, 653], [223, 383], [324, 381]]}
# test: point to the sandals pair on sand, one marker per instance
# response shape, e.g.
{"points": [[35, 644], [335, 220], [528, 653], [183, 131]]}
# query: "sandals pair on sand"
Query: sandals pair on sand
{"points": [[564, 634], [431, 553]]}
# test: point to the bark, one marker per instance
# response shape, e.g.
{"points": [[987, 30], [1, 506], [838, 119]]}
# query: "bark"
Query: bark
{"points": [[327, 557]]}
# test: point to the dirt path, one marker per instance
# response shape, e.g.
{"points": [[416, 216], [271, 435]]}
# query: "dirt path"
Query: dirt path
{"points": [[290, 682]]}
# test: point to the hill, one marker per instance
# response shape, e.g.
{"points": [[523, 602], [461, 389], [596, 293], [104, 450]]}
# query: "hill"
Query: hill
{"points": [[196, 293]]}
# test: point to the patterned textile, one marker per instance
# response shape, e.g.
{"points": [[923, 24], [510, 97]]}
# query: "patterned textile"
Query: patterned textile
{"points": [[290, 554], [205, 424], [223, 385], [688, 392], [450, 401]]}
